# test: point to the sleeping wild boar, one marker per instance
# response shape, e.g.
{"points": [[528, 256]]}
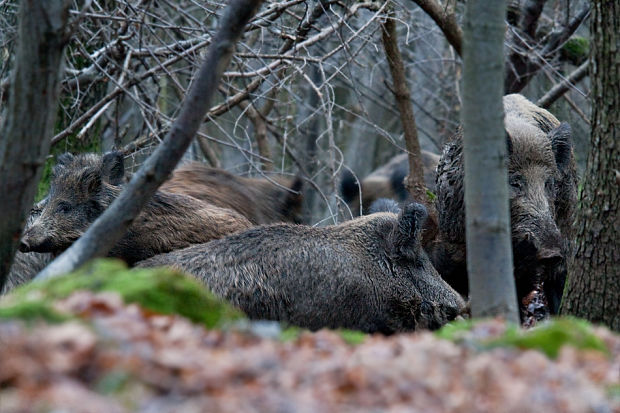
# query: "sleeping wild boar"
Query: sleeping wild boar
{"points": [[83, 186], [369, 274], [258, 199]]}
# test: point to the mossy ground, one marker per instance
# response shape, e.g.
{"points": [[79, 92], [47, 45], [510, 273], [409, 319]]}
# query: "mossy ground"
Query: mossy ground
{"points": [[351, 337], [159, 290], [549, 337]]}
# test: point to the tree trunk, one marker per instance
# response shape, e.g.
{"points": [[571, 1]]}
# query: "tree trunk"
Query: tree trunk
{"points": [[113, 223], [415, 181], [309, 133], [593, 285], [489, 252], [30, 115]]}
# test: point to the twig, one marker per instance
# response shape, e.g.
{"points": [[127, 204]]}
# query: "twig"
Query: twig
{"points": [[558, 90]]}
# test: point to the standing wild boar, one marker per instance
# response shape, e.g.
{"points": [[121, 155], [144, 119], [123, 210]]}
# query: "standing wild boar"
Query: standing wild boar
{"points": [[386, 182], [258, 199], [369, 274], [83, 186], [543, 193]]}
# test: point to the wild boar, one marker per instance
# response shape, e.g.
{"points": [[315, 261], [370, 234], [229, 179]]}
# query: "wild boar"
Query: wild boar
{"points": [[386, 182], [258, 199], [369, 274], [543, 194], [26, 265], [83, 186], [384, 205]]}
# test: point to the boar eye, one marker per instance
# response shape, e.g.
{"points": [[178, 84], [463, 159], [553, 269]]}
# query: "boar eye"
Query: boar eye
{"points": [[550, 185], [63, 207], [516, 182]]}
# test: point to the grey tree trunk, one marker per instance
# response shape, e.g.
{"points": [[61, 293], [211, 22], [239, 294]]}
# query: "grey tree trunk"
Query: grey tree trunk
{"points": [[113, 223], [309, 132], [29, 122], [489, 252], [593, 285]]}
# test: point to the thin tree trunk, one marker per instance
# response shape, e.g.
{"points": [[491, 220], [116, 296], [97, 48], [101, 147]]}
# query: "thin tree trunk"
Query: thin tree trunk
{"points": [[30, 116], [113, 223], [309, 132], [415, 181], [489, 252], [593, 285]]}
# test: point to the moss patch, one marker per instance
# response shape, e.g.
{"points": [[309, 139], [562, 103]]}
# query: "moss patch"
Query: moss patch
{"points": [[32, 310], [576, 50], [159, 290], [456, 330], [351, 337], [552, 336], [431, 196], [548, 338]]}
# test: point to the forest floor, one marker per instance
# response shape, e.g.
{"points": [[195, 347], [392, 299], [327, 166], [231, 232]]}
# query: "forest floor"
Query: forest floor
{"points": [[106, 355]]}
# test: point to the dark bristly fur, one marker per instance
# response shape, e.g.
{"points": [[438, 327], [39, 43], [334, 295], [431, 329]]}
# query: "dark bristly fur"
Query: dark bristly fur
{"points": [[543, 194], [386, 182], [369, 274], [27, 264], [83, 186], [258, 199]]}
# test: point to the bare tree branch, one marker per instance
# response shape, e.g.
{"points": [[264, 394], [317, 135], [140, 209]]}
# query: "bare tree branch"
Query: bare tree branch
{"points": [[558, 90], [415, 180], [529, 54], [113, 223], [446, 21]]}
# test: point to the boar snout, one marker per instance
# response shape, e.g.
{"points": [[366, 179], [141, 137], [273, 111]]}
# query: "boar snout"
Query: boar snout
{"points": [[549, 257], [24, 246], [35, 241]]}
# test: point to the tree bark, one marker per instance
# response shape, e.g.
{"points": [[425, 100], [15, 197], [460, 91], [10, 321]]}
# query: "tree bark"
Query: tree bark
{"points": [[113, 223], [415, 181], [309, 133], [593, 285], [31, 111], [489, 252]]}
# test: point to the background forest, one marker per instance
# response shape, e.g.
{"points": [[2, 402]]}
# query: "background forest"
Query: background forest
{"points": [[309, 90], [317, 91]]}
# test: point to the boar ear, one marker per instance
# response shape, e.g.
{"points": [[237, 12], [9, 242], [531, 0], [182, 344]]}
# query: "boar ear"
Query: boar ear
{"points": [[90, 181], [349, 186], [64, 159], [561, 144], [291, 207], [410, 222], [113, 168], [397, 181], [61, 162]]}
